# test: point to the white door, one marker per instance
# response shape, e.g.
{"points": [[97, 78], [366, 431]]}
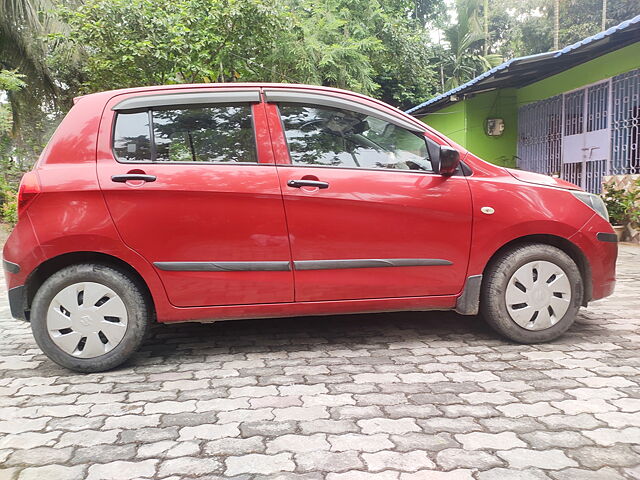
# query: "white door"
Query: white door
{"points": [[586, 143]]}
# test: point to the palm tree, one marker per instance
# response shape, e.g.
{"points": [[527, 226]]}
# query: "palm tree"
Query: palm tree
{"points": [[464, 58], [23, 24]]}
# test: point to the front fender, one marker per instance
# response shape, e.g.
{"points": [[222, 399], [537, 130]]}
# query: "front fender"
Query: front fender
{"points": [[520, 210]]}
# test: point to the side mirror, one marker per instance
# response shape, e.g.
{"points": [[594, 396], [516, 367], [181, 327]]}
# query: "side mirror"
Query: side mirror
{"points": [[446, 161]]}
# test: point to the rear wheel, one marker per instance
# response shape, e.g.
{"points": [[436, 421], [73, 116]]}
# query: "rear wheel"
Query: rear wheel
{"points": [[89, 318], [532, 293]]}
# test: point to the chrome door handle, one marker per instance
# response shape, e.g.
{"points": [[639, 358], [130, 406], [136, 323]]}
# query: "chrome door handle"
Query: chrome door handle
{"points": [[307, 183], [133, 176]]}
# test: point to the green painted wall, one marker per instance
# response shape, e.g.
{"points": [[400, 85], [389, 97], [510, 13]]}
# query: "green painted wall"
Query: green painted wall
{"points": [[464, 121], [496, 104], [450, 121], [609, 65]]}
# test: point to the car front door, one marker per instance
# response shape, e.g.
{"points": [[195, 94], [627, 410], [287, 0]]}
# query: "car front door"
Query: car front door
{"points": [[367, 216], [191, 185]]}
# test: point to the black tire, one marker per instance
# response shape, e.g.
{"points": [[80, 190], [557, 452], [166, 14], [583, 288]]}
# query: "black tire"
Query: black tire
{"points": [[136, 304], [497, 275]]}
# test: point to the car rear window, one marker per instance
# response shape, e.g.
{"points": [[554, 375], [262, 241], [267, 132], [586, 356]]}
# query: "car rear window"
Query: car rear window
{"points": [[208, 134]]}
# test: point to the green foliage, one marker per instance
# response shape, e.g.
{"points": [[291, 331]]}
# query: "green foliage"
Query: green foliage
{"points": [[11, 80], [146, 42], [525, 28], [8, 192], [623, 205], [362, 45], [582, 18], [9, 202], [464, 59]]}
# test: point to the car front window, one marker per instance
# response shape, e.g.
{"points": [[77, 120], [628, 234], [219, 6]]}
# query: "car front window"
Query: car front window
{"points": [[327, 136]]}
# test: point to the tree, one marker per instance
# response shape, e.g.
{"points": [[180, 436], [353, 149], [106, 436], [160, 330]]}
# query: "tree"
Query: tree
{"points": [[462, 59], [525, 28], [582, 18], [23, 23], [362, 45]]}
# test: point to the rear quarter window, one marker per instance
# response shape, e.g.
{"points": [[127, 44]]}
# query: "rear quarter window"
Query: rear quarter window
{"points": [[131, 138]]}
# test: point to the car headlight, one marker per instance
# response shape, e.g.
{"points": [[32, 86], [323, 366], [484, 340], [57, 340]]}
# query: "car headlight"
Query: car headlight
{"points": [[593, 201]]}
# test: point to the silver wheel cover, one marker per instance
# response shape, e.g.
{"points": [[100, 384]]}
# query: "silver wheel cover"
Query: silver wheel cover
{"points": [[86, 319], [538, 295]]}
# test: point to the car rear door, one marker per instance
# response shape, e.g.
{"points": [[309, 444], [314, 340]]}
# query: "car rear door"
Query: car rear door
{"points": [[190, 182], [367, 216]]}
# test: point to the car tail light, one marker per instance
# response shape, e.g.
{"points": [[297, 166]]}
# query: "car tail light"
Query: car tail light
{"points": [[29, 189]]}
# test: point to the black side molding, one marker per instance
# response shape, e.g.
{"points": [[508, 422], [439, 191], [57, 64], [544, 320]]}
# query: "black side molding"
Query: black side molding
{"points": [[468, 302], [10, 266], [223, 266], [607, 237], [369, 263]]}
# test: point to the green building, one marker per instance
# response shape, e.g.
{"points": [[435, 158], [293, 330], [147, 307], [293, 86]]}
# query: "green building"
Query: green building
{"points": [[574, 113]]}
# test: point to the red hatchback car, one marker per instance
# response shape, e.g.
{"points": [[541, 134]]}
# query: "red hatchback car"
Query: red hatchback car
{"points": [[216, 202]]}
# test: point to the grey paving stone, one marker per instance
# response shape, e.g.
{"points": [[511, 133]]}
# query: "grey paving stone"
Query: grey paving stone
{"points": [[169, 449], [235, 446], [359, 442], [476, 411], [355, 412], [583, 474], [452, 425], [328, 461], [360, 475], [149, 434], [103, 453], [581, 421], [458, 458], [541, 440], [38, 456], [52, 471], [184, 419], [268, 429], [411, 411], [525, 458], [403, 461], [257, 463], [457, 474], [613, 456], [510, 474], [489, 441], [189, 466], [328, 426], [517, 425], [391, 426]]}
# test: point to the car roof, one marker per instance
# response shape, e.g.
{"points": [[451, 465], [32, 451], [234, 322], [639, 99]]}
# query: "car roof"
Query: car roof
{"points": [[232, 85]]}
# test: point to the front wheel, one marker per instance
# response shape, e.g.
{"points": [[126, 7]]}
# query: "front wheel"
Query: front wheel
{"points": [[532, 293], [89, 318]]}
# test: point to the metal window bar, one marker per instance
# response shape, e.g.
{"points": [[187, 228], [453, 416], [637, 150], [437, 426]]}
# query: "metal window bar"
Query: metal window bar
{"points": [[597, 106], [625, 123], [540, 135]]}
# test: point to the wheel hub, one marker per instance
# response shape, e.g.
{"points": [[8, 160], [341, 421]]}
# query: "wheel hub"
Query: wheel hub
{"points": [[538, 295], [87, 319], [84, 322]]}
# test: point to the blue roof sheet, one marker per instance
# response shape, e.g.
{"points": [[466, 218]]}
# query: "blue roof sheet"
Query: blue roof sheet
{"points": [[542, 56]]}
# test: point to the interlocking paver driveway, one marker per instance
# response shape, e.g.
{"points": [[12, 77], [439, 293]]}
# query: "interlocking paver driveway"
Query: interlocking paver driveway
{"points": [[402, 396]]}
